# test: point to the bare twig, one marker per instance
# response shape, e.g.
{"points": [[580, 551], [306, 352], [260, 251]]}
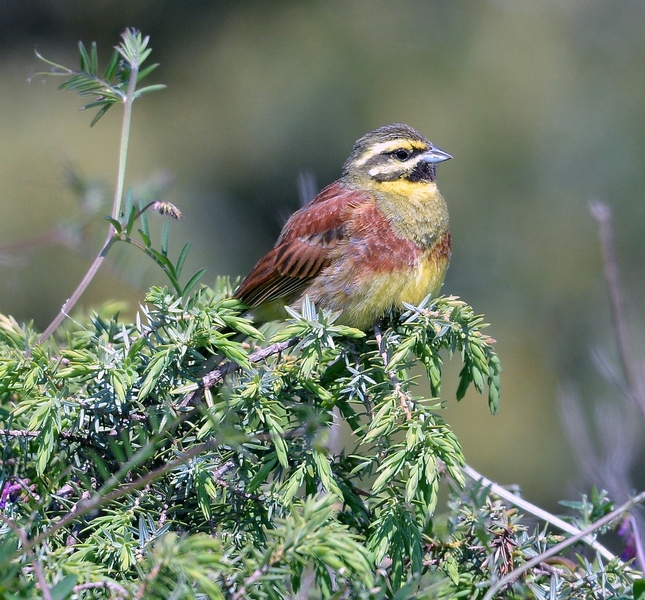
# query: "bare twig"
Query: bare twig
{"points": [[558, 548], [18, 433], [217, 480], [78, 292], [216, 375], [116, 208], [536, 510], [25, 433], [602, 213], [617, 471], [638, 542]]}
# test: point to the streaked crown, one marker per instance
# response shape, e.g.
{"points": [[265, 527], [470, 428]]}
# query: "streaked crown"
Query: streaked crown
{"points": [[393, 152]]}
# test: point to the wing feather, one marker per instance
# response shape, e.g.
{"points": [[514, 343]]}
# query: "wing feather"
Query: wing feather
{"points": [[303, 249]]}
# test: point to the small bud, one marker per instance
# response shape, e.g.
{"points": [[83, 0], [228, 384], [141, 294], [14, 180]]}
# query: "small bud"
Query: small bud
{"points": [[167, 208]]}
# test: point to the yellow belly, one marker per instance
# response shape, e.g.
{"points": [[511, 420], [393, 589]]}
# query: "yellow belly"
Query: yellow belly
{"points": [[374, 295]]}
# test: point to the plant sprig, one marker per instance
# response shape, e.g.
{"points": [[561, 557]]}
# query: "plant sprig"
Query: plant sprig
{"points": [[118, 84], [110, 87]]}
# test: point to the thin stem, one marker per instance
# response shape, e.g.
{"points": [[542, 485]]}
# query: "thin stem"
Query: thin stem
{"points": [[78, 292], [638, 542], [602, 213], [116, 207], [253, 578], [558, 548], [536, 510], [125, 140]]}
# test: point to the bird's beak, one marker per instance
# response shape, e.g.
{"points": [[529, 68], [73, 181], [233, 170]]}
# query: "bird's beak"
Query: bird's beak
{"points": [[436, 155]]}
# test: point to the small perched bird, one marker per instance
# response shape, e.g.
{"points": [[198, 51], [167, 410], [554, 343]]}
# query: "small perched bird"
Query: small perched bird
{"points": [[367, 243]]}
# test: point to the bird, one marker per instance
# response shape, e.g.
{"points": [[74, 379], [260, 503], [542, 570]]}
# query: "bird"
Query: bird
{"points": [[369, 242]]}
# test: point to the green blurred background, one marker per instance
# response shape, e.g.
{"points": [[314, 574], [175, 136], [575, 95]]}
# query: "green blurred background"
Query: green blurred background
{"points": [[541, 104]]}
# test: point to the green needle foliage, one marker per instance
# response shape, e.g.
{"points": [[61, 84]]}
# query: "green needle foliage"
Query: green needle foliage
{"points": [[184, 455], [121, 469], [117, 401]]}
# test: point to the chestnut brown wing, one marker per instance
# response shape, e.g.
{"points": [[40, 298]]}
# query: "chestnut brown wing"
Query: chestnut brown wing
{"points": [[303, 248]]}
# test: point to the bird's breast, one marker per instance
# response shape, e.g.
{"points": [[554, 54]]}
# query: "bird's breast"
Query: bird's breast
{"points": [[427, 275], [416, 211], [379, 273]]}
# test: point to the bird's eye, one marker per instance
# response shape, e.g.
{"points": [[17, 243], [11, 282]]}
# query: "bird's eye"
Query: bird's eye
{"points": [[402, 154]]}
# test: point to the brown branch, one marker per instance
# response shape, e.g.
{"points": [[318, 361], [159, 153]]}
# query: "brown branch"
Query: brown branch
{"points": [[638, 542], [217, 480], [65, 434], [17, 433], [78, 292], [154, 572], [216, 376]]}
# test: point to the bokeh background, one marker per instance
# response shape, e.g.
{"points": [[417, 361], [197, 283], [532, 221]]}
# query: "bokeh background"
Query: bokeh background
{"points": [[541, 104]]}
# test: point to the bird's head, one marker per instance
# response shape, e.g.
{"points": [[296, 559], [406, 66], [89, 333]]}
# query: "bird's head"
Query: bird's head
{"points": [[393, 153]]}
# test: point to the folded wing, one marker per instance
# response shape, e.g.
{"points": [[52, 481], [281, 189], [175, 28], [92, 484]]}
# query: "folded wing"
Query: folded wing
{"points": [[303, 249]]}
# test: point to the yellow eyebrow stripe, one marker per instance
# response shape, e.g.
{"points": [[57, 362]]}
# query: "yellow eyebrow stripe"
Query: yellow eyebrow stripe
{"points": [[389, 146]]}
